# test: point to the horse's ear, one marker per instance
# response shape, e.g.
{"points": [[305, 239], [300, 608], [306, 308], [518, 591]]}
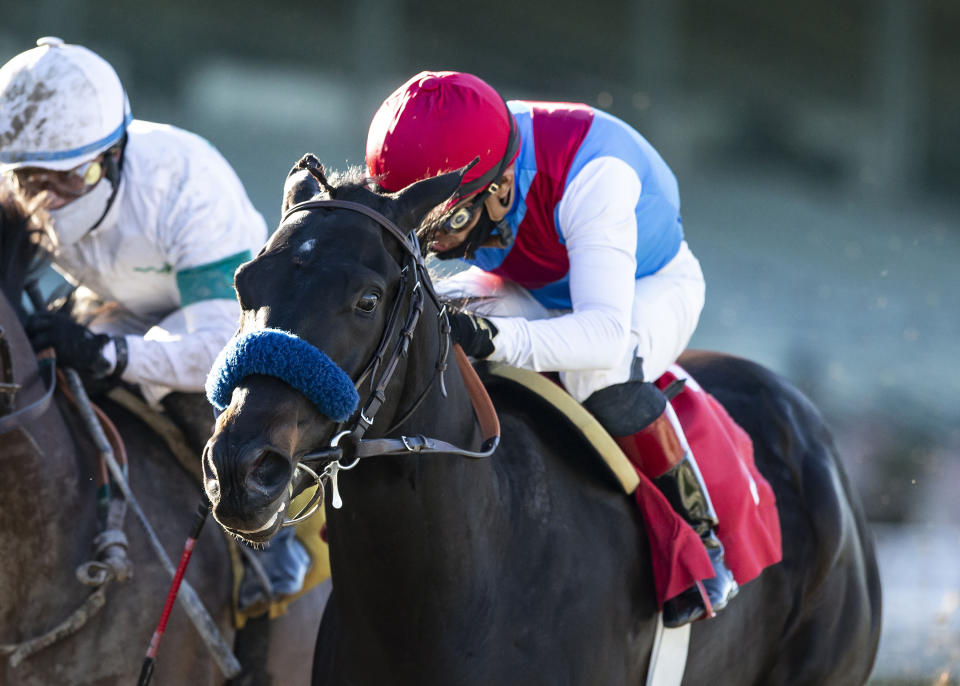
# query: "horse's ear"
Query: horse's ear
{"points": [[305, 181], [417, 199]]}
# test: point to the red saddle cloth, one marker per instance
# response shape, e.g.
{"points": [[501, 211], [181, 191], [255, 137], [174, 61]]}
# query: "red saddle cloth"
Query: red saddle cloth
{"points": [[746, 507]]}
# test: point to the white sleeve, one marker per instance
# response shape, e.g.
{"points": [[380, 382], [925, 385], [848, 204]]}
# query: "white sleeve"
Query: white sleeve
{"points": [[177, 353], [597, 219], [208, 215], [207, 227]]}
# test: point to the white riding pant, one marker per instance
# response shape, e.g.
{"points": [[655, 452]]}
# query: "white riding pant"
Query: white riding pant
{"points": [[666, 309]]}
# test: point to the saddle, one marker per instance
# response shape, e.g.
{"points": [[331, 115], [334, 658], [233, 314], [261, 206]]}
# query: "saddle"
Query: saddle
{"points": [[746, 507]]}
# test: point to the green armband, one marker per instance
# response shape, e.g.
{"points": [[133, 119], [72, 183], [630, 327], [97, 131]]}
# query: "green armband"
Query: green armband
{"points": [[210, 281]]}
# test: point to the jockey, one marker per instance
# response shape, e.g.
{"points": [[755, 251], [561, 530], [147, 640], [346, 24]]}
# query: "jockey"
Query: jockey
{"points": [[149, 219], [571, 224]]}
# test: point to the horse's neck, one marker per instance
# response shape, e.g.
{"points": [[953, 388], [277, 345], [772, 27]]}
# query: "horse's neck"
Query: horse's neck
{"points": [[397, 510], [46, 508]]}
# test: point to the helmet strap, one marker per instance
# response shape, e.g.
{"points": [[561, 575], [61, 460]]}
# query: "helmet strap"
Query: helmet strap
{"points": [[112, 166], [478, 235], [485, 227]]}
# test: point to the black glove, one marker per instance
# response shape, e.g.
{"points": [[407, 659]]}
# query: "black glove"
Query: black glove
{"points": [[474, 334], [76, 346]]}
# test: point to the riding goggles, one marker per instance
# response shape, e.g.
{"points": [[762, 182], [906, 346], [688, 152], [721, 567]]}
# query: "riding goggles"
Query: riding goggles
{"points": [[68, 184], [462, 217]]}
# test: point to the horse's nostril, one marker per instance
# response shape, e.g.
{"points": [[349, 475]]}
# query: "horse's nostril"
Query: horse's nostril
{"points": [[270, 470]]}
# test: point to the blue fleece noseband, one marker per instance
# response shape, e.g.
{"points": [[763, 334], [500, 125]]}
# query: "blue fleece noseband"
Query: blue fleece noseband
{"points": [[288, 358]]}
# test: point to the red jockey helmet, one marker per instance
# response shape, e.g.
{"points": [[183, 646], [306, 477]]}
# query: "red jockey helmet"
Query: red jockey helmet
{"points": [[439, 121]]}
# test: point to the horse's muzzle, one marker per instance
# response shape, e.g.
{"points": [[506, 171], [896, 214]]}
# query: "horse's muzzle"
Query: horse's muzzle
{"points": [[248, 490]]}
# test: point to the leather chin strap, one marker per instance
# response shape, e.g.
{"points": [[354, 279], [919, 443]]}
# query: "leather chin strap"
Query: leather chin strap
{"points": [[485, 227]]}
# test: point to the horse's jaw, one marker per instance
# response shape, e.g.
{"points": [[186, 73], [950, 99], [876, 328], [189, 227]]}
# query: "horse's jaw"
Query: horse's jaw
{"points": [[264, 533]]}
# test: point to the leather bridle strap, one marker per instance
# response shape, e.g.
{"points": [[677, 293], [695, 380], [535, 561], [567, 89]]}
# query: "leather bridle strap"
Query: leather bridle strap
{"points": [[362, 209], [407, 241], [482, 407]]}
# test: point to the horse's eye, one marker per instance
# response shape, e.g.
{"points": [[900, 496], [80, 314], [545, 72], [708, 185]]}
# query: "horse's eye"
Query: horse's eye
{"points": [[368, 301]]}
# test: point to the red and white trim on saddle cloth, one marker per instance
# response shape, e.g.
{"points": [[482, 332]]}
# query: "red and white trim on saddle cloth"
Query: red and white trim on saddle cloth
{"points": [[745, 504]]}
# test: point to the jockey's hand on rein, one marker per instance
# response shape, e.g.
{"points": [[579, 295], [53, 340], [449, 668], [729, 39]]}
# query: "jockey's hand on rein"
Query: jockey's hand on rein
{"points": [[76, 346], [474, 334]]}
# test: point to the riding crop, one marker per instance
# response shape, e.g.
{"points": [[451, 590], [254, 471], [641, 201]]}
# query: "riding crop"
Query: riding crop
{"points": [[146, 671], [228, 664]]}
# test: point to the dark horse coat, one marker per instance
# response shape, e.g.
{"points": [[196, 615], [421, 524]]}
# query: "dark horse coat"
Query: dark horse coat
{"points": [[529, 567]]}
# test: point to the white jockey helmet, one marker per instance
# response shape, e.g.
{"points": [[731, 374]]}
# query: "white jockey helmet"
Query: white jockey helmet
{"points": [[60, 106]]}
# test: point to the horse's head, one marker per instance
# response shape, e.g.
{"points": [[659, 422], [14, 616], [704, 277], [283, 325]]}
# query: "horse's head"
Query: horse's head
{"points": [[320, 297]]}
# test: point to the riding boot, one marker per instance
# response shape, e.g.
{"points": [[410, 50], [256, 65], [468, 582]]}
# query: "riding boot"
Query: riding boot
{"points": [[645, 426], [662, 452]]}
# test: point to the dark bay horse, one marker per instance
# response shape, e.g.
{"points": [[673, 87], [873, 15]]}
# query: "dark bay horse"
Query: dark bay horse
{"points": [[48, 520], [530, 566]]}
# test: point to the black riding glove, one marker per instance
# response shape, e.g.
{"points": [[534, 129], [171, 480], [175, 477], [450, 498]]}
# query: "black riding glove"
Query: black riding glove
{"points": [[76, 346], [474, 334]]}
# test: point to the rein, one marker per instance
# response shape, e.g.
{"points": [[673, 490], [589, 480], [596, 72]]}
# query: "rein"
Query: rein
{"points": [[349, 443], [48, 364]]}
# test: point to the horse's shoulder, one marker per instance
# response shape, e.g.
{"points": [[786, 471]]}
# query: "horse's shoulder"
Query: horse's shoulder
{"points": [[529, 421]]}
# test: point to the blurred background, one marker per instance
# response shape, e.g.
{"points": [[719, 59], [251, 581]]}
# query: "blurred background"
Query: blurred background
{"points": [[817, 147]]}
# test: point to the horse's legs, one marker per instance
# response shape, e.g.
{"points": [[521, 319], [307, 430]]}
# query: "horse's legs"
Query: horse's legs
{"points": [[251, 645], [324, 654]]}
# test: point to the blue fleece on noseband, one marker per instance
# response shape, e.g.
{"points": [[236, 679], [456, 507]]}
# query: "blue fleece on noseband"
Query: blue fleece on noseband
{"points": [[288, 358]]}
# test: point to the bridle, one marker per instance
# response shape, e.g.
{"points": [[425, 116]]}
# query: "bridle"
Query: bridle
{"points": [[348, 442]]}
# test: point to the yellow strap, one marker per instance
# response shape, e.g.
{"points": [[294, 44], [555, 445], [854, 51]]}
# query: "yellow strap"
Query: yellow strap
{"points": [[585, 422]]}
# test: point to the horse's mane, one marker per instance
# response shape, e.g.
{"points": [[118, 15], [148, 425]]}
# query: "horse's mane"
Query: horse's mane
{"points": [[350, 180], [339, 183], [24, 237]]}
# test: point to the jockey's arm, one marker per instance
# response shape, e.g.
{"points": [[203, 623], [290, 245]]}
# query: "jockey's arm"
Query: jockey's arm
{"points": [[597, 221], [208, 230], [177, 353]]}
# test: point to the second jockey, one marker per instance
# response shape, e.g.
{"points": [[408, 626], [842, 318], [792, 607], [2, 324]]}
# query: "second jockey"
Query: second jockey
{"points": [[571, 224], [152, 222]]}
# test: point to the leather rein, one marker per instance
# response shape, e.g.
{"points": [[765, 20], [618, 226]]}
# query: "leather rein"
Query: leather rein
{"points": [[348, 442], [10, 419]]}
